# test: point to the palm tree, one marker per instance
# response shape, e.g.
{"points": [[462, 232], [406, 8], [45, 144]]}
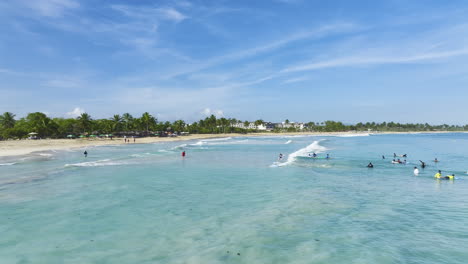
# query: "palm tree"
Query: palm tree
{"points": [[7, 120], [84, 121], [179, 125], [148, 120], [128, 121], [116, 122]]}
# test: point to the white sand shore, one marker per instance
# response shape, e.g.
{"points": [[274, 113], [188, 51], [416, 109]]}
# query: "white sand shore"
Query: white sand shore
{"points": [[23, 147]]}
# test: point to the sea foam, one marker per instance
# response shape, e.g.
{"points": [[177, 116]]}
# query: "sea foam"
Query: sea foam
{"points": [[303, 152]]}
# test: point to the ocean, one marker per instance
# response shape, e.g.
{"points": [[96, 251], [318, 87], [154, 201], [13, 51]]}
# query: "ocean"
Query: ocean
{"points": [[232, 200]]}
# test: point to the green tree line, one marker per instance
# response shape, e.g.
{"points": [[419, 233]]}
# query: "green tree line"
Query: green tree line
{"points": [[147, 124]]}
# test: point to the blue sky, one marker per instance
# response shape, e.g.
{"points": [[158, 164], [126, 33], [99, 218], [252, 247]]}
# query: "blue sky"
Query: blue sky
{"points": [[350, 61]]}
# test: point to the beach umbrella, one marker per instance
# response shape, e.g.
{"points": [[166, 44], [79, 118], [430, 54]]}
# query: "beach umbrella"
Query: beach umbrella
{"points": [[82, 136], [102, 135], [92, 135], [70, 136]]}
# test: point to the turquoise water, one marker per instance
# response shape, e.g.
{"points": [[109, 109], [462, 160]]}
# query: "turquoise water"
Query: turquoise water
{"points": [[231, 201]]}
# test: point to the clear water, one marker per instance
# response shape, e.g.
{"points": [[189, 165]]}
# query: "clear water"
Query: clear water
{"points": [[232, 201]]}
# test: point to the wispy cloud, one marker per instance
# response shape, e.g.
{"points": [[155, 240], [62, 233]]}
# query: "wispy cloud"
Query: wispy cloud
{"points": [[361, 61], [150, 13], [295, 80], [51, 8]]}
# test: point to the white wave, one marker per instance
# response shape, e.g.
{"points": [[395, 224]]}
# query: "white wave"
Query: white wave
{"points": [[45, 154], [304, 152], [355, 135], [7, 164], [98, 163], [216, 139], [179, 147], [288, 142], [199, 143]]}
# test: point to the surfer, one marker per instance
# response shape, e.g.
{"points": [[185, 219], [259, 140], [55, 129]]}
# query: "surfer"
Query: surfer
{"points": [[423, 164], [416, 171], [281, 156], [85, 153], [394, 155], [314, 155], [383, 157], [370, 165], [328, 156], [404, 156], [438, 175], [435, 160]]}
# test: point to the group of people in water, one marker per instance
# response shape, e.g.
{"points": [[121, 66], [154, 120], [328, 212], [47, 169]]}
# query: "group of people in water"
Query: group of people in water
{"points": [[396, 160]]}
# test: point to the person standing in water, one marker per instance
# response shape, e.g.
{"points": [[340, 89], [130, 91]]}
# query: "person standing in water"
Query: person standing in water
{"points": [[328, 156], [183, 154], [383, 157], [435, 160], [416, 171], [370, 165], [85, 153]]}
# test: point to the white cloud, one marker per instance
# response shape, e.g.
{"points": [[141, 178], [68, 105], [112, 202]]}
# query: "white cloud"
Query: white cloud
{"points": [[76, 112], [172, 14], [209, 112]]}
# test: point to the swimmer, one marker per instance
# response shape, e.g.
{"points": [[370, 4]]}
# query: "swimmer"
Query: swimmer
{"points": [[281, 156], [370, 165], [435, 160], [383, 157], [314, 155], [328, 156], [416, 171], [85, 153]]}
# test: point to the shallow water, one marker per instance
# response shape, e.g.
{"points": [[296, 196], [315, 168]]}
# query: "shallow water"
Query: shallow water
{"points": [[232, 201]]}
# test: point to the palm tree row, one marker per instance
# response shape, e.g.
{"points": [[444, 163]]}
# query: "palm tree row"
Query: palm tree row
{"points": [[44, 126]]}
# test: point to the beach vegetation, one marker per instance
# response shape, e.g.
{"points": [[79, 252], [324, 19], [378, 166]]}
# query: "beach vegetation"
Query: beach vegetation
{"points": [[42, 126]]}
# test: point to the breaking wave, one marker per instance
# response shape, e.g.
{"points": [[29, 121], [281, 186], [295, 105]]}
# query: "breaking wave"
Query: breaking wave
{"points": [[98, 163], [303, 152], [7, 164], [355, 135]]}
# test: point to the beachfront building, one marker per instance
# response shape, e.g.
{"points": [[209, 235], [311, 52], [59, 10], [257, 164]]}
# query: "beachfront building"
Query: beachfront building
{"points": [[286, 125], [267, 126]]}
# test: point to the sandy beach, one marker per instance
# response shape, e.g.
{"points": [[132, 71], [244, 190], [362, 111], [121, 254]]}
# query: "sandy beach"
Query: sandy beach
{"points": [[23, 147]]}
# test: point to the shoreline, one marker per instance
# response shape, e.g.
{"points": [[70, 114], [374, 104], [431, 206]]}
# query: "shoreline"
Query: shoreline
{"points": [[23, 147]]}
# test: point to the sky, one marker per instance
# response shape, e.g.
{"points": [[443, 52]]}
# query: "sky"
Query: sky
{"points": [[302, 60]]}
